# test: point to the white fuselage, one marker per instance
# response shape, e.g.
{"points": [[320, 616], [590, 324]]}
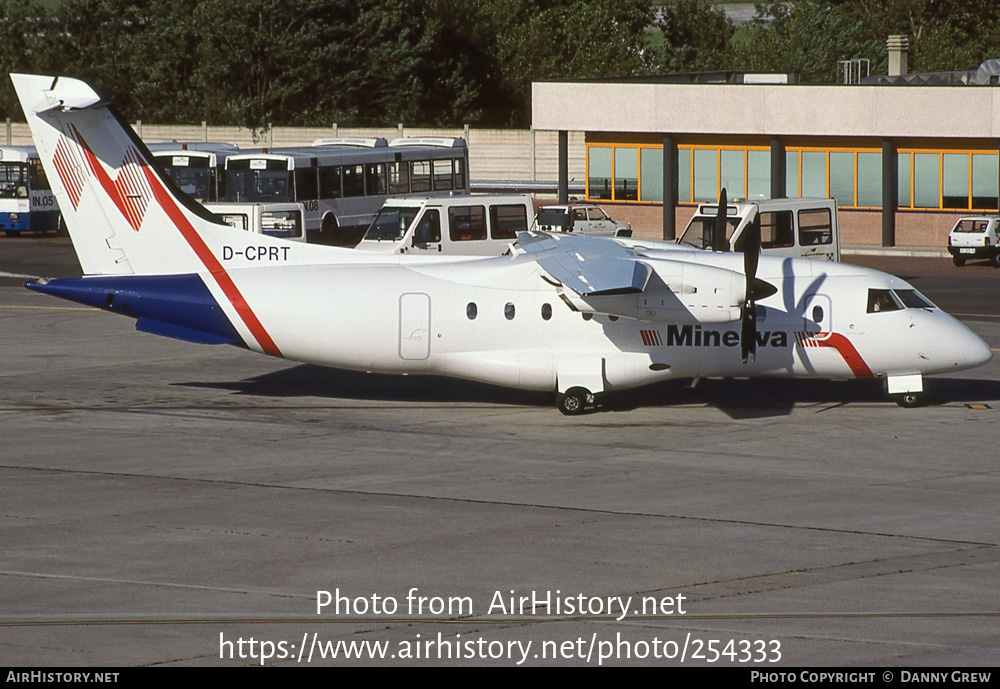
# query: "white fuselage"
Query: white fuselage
{"points": [[407, 317]]}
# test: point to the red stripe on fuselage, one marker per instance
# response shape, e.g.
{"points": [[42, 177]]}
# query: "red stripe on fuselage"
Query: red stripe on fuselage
{"points": [[201, 249], [851, 357]]}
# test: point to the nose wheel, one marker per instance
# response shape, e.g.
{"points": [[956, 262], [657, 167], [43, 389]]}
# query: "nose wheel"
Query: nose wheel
{"points": [[574, 401], [908, 400]]}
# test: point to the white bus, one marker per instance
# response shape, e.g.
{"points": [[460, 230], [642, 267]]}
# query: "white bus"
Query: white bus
{"points": [[198, 168], [26, 200], [342, 183]]}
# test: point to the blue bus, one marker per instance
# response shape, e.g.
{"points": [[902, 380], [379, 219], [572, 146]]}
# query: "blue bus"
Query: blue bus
{"points": [[26, 200]]}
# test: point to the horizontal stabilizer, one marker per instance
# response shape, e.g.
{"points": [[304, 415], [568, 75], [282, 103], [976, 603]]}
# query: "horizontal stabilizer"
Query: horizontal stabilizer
{"points": [[178, 306], [590, 266], [178, 332]]}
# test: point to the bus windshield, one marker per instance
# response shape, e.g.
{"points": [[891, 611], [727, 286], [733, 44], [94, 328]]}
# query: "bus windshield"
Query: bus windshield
{"points": [[257, 185], [391, 224], [13, 181], [195, 182]]}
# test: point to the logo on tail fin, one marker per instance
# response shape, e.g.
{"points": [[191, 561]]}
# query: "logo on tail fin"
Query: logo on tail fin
{"points": [[129, 191]]}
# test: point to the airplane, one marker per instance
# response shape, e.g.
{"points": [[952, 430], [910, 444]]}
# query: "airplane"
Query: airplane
{"points": [[575, 316]]}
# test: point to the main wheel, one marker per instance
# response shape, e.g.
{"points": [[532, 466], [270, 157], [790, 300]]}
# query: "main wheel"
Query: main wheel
{"points": [[573, 401], [908, 400], [958, 261]]}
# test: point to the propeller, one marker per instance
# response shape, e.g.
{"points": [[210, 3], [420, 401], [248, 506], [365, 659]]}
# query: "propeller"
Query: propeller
{"points": [[719, 240], [756, 289]]}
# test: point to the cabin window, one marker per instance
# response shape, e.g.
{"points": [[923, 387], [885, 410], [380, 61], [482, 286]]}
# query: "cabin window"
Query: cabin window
{"points": [[472, 311], [546, 311], [305, 184], [775, 230], [420, 175], [375, 179], [508, 311], [329, 182], [882, 300], [815, 227], [429, 228], [354, 181], [818, 314], [443, 179], [508, 220], [467, 223], [399, 178], [587, 316]]}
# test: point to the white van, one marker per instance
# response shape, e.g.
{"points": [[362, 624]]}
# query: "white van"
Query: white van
{"points": [[283, 220], [476, 224], [788, 227]]}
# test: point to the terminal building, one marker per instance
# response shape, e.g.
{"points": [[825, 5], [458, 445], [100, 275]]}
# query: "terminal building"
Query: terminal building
{"points": [[904, 157]]}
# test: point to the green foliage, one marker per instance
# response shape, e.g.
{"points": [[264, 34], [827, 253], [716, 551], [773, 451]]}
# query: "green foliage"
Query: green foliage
{"points": [[444, 62], [695, 37]]}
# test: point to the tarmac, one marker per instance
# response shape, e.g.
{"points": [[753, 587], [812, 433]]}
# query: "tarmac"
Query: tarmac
{"points": [[165, 503]]}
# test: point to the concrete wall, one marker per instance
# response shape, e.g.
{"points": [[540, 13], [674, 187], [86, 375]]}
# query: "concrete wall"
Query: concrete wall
{"points": [[494, 154], [793, 110]]}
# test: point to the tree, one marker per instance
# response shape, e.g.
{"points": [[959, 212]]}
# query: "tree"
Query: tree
{"points": [[22, 30], [695, 36]]}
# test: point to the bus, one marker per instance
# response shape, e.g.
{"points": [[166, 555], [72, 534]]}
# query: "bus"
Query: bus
{"points": [[26, 200], [342, 183], [198, 168]]}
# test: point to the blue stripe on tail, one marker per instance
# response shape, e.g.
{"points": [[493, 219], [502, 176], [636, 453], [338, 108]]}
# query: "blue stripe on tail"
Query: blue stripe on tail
{"points": [[177, 306]]}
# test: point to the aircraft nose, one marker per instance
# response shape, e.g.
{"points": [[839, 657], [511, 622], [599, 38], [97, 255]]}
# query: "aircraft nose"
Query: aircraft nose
{"points": [[967, 349]]}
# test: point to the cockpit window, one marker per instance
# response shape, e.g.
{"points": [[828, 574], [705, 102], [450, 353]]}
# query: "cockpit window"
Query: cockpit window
{"points": [[882, 300], [912, 299]]}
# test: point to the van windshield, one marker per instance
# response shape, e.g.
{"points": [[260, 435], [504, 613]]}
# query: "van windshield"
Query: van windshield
{"points": [[391, 224], [699, 233]]}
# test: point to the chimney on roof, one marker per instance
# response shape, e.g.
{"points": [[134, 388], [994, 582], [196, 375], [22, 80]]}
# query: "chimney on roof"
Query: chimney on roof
{"points": [[898, 47]]}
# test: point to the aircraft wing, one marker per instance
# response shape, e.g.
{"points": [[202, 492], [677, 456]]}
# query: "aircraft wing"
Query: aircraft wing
{"points": [[599, 275], [590, 266]]}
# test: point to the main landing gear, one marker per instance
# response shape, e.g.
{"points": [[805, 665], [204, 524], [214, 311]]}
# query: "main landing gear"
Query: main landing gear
{"points": [[575, 401]]}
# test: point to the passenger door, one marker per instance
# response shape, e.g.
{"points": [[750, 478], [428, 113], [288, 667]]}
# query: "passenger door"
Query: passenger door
{"points": [[414, 326]]}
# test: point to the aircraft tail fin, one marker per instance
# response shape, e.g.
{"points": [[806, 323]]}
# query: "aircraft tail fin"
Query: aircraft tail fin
{"points": [[123, 216]]}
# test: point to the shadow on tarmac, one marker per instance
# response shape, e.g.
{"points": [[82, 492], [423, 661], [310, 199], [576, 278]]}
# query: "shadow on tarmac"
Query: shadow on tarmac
{"points": [[738, 398]]}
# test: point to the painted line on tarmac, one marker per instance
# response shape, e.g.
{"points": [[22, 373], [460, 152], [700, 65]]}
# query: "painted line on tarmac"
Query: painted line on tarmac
{"points": [[46, 308]]}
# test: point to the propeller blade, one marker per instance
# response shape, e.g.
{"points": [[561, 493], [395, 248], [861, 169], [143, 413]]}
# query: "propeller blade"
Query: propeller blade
{"points": [[748, 331], [719, 240], [751, 250], [755, 288]]}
